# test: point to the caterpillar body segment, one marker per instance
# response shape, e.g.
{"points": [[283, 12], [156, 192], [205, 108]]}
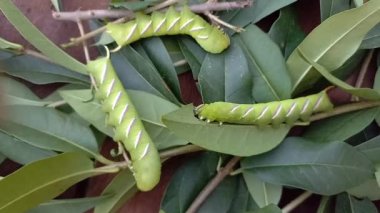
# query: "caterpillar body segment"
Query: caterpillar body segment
{"points": [[262, 114], [172, 22], [129, 130]]}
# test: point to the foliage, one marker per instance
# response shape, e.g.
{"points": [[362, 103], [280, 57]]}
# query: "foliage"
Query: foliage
{"points": [[57, 140]]}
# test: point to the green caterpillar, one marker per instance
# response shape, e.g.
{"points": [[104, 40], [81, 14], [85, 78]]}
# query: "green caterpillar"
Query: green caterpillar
{"points": [[172, 22], [145, 160], [261, 114]]}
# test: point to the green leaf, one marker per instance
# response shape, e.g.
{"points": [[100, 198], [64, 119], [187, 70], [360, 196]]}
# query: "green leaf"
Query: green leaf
{"points": [[240, 140], [16, 93], [158, 54], [358, 3], [371, 149], [325, 205], [46, 179], [188, 181], [271, 208], [220, 200], [368, 189], [243, 201], [286, 31], [298, 163], [332, 43], [347, 204], [57, 4], [174, 50], [37, 39], [341, 127], [226, 77], [211, 78], [122, 188], [49, 129], [77, 205], [149, 107], [7, 45], [329, 8], [255, 13], [372, 39], [2, 158], [39, 71], [270, 77], [263, 193], [21, 152], [193, 53], [366, 93], [138, 73]]}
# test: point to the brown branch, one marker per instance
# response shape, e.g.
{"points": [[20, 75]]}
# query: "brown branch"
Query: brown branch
{"points": [[210, 187], [296, 202], [344, 109], [91, 14], [36, 54], [128, 14], [84, 43], [180, 151], [363, 72]]}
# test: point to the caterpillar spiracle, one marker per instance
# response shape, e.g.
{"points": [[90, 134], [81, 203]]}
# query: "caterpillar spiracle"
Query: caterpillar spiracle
{"points": [[273, 113], [209, 37], [122, 115]]}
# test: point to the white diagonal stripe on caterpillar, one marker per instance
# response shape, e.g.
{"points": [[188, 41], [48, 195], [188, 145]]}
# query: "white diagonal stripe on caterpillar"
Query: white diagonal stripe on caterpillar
{"points": [[234, 108], [262, 114], [129, 127], [277, 113], [109, 89], [173, 23], [137, 140], [123, 113], [248, 111], [116, 100], [104, 72], [202, 37], [145, 151], [186, 23], [146, 27], [294, 105], [196, 28], [319, 101], [160, 25], [131, 32], [304, 108]]}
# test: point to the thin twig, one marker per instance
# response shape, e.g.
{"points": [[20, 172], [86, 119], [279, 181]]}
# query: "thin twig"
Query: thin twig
{"points": [[160, 6], [180, 151], [363, 72], [84, 43], [76, 41], [344, 109], [75, 15], [212, 185], [36, 54], [296, 202], [223, 23]]}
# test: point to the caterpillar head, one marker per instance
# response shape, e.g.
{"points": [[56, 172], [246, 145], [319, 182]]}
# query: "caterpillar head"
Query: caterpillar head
{"points": [[215, 42]]}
